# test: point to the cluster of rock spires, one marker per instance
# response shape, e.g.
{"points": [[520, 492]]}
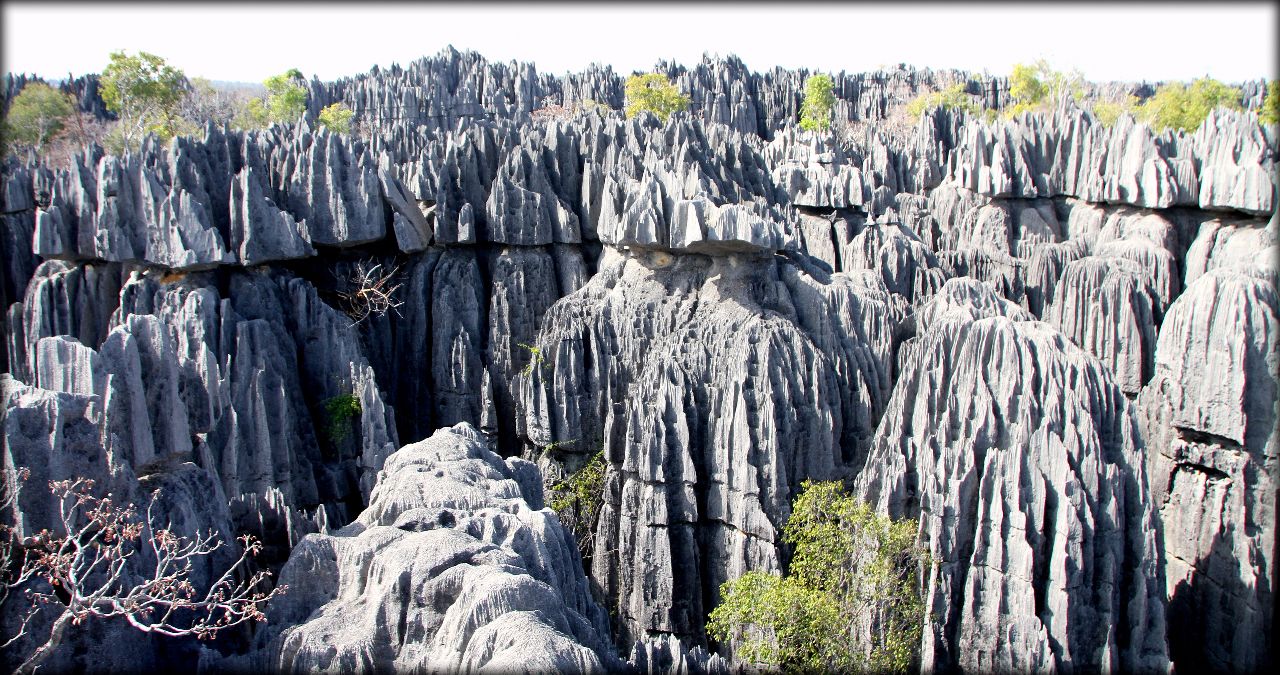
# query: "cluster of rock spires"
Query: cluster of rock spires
{"points": [[1054, 343]]}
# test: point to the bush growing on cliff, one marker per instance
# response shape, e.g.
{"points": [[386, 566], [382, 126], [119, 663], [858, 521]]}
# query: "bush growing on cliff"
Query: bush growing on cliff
{"points": [[337, 118], [36, 115], [339, 411], [577, 500], [1107, 112], [953, 97], [815, 112], [1177, 106], [1270, 111], [849, 602], [145, 92], [653, 93], [286, 96], [1038, 86]]}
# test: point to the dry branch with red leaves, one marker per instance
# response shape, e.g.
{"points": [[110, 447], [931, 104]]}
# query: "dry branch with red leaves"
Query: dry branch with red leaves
{"points": [[94, 571]]}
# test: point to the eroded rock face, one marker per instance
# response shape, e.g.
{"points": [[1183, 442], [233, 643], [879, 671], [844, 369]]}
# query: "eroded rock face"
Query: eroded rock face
{"points": [[1106, 305], [763, 294], [1022, 460], [1210, 419], [449, 569], [693, 374]]}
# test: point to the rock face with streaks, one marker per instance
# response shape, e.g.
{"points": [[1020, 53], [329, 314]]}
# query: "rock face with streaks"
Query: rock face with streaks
{"points": [[720, 303], [1210, 417], [449, 569], [1022, 460], [792, 367]]}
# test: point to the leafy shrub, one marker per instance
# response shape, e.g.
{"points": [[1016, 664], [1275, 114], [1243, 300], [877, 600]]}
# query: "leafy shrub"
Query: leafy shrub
{"points": [[1037, 86], [536, 359], [1270, 112], [145, 92], [339, 411], [253, 115], [653, 93], [337, 118], [36, 115], [1025, 85], [577, 500], [286, 97], [849, 602], [953, 97], [1107, 112], [815, 112], [1177, 106]]}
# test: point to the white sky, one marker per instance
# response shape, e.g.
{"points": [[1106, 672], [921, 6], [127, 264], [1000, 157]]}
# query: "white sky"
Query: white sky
{"points": [[248, 42]]}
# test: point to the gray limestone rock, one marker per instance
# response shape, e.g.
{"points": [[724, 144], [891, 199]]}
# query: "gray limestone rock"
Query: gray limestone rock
{"points": [[1237, 163], [261, 232], [654, 337], [66, 299], [448, 569], [1108, 307], [53, 434], [1209, 415], [334, 188], [1027, 488]]}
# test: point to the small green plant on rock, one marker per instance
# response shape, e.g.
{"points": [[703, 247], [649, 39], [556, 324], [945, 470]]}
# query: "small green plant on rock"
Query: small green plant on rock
{"points": [[953, 97], [339, 411], [1108, 112], [577, 499], [653, 93], [815, 112], [1270, 112], [1177, 106], [337, 118], [535, 359], [849, 602]]}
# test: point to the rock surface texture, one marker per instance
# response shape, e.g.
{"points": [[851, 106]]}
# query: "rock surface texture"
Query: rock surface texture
{"points": [[1051, 340], [447, 570]]}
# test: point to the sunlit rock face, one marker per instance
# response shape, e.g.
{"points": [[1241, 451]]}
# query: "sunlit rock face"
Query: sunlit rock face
{"points": [[1210, 417], [1022, 460], [1051, 340], [449, 569]]}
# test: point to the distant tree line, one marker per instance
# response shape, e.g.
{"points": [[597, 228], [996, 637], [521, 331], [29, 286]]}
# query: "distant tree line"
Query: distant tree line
{"points": [[150, 96], [1039, 87]]}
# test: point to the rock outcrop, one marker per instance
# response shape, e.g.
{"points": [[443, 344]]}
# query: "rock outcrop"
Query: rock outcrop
{"points": [[1022, 461], [448, 569], [721, 303], [793, 369], [1210, 416]]}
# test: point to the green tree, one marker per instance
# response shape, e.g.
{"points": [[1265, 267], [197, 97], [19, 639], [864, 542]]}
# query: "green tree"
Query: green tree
{"points": [[286, 96], [1035, 86], [1270, 111], [849, 601], [1107, 112], [252, 115], [815, 112], [337, 118], [1177, 106], [577, 499], [953, 97], [339, 411], [36, 115], [145, 92], [654, 93]]}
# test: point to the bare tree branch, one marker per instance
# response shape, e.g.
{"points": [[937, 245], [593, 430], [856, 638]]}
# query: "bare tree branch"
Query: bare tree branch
{"points": [[373, 292], [95, 571]]}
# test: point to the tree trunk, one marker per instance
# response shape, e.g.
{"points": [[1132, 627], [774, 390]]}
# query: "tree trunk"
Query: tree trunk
{"points": [[41, 654]]}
